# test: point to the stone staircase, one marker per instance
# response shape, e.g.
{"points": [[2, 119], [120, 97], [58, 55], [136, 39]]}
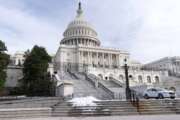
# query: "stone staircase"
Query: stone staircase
{"points": [[148, 107], [56, 107], [63, 75], [83, 87], [103, 108], [117, 108], [116, 90], [29, 107]]}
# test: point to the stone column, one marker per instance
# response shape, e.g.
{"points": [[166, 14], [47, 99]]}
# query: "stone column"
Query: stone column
{"points": [[74, 41], [110, 60], [118, 60], [103, 60], [109, 64], [90, 59], [80, 41], [96, 59], [85, 41], [79, 61]]}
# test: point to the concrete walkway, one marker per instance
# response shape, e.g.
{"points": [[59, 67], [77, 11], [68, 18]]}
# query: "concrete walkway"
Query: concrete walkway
{"points": [[138, 117]]}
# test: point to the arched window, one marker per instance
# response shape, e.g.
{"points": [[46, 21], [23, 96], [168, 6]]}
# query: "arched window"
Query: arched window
{"points": [[140, 79], [156, 79], [121, 77], [100, 76], [148, 79]]}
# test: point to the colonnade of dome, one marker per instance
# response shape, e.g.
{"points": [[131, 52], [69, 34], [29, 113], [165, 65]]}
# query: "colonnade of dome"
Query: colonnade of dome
{"points": [[81, 41]]}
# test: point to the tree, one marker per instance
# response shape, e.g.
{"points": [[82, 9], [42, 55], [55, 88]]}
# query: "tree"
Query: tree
{"points": [[2, 46], [4, 61], [36, 81]]}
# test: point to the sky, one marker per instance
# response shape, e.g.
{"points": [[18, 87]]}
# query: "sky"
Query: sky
{"points": [[147, 29]]}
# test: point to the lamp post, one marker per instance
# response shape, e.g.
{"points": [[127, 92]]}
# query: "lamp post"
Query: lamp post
{"points": [[128, 94]]}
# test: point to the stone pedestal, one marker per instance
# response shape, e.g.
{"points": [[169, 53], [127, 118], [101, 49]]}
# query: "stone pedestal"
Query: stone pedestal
{"points": [[65, 89]]}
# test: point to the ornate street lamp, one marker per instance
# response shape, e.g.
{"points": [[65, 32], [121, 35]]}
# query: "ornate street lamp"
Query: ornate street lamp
{"points": [[128, 91]]}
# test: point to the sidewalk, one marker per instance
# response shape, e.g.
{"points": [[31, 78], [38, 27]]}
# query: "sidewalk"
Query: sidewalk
{"points": [[139, 117]]}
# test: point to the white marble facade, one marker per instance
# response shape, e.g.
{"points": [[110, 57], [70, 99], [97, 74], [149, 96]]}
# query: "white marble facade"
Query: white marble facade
{"points": [[18, 58], [80, 50], [171, 64]]}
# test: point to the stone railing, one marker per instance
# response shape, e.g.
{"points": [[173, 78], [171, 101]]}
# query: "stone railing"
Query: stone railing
{"points": [[111, 93], [117, 82], [73, 74], [93, 79], [96, 82]]}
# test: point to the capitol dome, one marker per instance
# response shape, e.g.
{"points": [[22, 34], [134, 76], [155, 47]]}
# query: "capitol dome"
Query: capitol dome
{"points": [[80, 32]]}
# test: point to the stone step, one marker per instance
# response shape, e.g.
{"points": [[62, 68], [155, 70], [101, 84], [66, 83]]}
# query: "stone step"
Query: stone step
{"points": [[110, 109], [17, 114], [2, 117], [95, 113], [156, 112], [64, 107]]}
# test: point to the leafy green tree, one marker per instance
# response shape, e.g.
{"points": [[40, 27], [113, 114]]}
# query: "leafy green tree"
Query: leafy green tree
{"points": [[36, 81], [2, 46], [4, 60]]}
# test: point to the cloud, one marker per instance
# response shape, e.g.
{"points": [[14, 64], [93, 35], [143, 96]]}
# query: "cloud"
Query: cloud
{"points": [[147, 29], [21, 30], [159, 34]]}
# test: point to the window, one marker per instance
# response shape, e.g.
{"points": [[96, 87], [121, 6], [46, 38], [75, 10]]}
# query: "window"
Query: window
{"points": [[156, 79], [148, 79], [121, 77], [140, 79], [100, 76]]}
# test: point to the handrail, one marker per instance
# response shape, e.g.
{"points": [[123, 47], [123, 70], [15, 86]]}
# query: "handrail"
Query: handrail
{"points": [[106, 89], [93, 80], [72, 74], [96, 82], [117, 82]]}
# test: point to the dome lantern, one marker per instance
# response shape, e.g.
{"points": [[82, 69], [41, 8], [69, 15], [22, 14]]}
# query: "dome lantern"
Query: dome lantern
{"points": [[79, 11]]}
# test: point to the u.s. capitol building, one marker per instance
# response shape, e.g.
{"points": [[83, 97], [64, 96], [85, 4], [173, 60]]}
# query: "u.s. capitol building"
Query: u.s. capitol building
{"points": [[80, 51], [82, 67]]}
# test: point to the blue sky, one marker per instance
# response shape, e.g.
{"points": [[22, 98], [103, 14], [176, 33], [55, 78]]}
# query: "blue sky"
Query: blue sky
{"points": [[148, 29]]}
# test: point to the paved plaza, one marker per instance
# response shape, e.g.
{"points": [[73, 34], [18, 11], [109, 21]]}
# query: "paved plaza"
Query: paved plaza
{"points": [[138, 117]]}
